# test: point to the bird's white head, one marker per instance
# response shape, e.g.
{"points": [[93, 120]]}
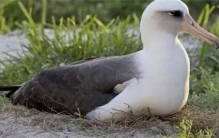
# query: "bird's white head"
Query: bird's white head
{"points": [[167, 18]]}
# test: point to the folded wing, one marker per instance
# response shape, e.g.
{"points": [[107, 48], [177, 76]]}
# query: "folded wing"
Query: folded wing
{"points": [[77, 87]]}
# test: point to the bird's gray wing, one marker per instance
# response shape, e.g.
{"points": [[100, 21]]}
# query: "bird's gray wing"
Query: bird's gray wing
{"points": [[11, 89], [78, 87]]}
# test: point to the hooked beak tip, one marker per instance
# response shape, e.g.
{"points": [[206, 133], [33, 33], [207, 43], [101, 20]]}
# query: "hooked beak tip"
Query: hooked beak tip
{"points": [[190, 26], [216, 43]]}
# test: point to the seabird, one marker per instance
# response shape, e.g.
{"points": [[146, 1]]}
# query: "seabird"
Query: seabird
{"points": [[154, 79]]}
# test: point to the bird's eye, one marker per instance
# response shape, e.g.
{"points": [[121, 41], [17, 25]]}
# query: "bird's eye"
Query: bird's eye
{"points": [[177, 14]]}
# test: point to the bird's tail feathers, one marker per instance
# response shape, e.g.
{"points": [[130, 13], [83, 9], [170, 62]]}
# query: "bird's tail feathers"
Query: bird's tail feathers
{"points": [[8, 91]]}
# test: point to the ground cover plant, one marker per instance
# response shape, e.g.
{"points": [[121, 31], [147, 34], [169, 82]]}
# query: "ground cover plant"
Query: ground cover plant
{"points": [[86, 35]]}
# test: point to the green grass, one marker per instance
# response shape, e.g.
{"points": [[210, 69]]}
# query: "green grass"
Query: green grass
{"points": [[205, 89], [10, 13], [93, 37], [204, 86], [203, 20], [69, 44], [186, 126]]}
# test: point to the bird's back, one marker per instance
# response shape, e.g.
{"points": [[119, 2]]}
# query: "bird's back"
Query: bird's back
{"points": [[78, 87]]}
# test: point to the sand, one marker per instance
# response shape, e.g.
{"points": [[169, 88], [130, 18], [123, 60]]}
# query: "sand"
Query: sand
{"points": [[19, 122]]}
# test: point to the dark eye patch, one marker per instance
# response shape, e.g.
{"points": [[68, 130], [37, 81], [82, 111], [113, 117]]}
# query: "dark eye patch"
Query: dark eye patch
{"points": [[178, 14]]}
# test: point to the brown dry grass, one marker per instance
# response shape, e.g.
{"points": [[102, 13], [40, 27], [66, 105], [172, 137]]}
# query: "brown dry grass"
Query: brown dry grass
{"points": [[202, 119], [157, 125]]}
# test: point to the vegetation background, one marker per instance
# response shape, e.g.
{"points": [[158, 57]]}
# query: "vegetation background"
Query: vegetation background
{"points": [[105, 10], [105, 31]]}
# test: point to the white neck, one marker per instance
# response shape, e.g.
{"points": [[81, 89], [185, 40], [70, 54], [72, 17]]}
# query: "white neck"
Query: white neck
{"points": [[159, 48], [153, 37], [158, 41]]}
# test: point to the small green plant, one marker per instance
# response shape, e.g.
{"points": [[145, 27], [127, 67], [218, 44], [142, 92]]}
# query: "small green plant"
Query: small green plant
{"points": [[205, 89], [186, 127]]}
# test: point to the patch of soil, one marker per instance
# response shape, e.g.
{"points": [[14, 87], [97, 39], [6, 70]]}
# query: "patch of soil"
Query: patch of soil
{"points": [[19, 122]]}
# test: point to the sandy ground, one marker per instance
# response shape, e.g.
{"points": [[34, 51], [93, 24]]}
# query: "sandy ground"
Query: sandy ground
{"points": [[23, 123], [12, 43], [19, 122]]}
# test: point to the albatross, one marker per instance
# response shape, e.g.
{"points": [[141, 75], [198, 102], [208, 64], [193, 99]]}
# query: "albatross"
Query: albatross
{"points": [[155, 78]]}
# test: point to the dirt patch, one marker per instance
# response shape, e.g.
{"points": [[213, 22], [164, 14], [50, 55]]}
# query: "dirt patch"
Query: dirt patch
{"points": [[19, 122]]}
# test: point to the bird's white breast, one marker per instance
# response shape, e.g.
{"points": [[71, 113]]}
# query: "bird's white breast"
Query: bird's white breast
{"points": [[162, 88], [164, 85]]}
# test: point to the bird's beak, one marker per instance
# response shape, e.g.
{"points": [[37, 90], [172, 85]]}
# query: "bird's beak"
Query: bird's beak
{"points": [[190, 26]]}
